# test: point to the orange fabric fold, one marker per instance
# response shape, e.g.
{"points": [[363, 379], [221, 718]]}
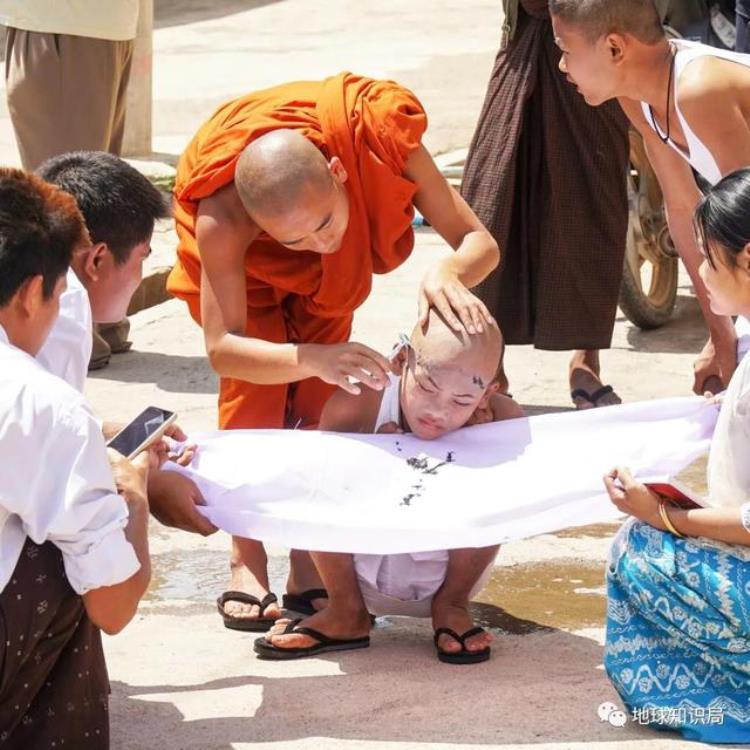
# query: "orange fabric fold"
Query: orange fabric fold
{"points": [[372, 126]]}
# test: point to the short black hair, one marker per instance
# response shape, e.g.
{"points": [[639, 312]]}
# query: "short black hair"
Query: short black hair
{"points": [[639, 18], [722, 219], [40, 226], [118, 203]]}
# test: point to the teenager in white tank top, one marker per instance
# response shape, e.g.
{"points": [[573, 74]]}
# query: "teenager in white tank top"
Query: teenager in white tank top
{"points": [[699, 157]]}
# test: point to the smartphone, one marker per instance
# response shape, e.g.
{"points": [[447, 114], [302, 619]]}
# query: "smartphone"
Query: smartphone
{"points": [[148, 427]]}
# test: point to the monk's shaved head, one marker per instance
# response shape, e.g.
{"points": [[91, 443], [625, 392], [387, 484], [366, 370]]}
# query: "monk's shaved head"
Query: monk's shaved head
{"points": [[441, 347], [278, 172]]}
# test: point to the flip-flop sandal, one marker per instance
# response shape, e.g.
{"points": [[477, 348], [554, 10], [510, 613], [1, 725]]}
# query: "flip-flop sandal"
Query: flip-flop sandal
{"points": [[266, 650], [593, 398], [464, 656], [303, 603], [252, 625]]}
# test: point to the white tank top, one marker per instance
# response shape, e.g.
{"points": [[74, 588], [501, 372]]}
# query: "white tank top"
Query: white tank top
{"points": [[390, 405], [699, 157]]}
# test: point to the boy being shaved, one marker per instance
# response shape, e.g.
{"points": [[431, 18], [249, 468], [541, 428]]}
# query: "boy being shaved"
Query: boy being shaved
{"points": [[446, 380]]}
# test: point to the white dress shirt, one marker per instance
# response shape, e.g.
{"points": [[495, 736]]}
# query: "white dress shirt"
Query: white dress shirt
{"points": [[67, 351], [729, 460], [55, 483]]}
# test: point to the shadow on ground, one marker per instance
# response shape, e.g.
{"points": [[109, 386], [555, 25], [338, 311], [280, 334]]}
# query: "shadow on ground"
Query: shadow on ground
{"points": [[394, 692], [170, 372], [684, 334], [180, 12]]}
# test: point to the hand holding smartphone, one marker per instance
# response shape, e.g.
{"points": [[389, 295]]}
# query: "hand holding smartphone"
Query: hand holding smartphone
{"points": [[146, 429]]}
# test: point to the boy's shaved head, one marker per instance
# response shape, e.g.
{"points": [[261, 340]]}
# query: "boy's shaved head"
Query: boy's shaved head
{"points": [[597, 18], [439, 346], [279, 171]]}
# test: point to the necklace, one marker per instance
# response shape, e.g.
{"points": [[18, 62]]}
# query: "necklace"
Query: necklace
{"points": [[665, 138]]}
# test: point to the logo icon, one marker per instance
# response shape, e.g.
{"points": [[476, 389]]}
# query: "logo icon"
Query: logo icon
{"points": [[610, 712]]}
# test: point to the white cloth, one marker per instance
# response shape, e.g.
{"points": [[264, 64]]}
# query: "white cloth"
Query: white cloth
{"points": [[56, 484], [699, 157], [100, 19], [67, 350], [507, 480], [742, 329], [729, 461]]}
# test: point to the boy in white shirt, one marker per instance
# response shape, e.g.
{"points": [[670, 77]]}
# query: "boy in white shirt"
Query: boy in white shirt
{"points": [[73, 552]]}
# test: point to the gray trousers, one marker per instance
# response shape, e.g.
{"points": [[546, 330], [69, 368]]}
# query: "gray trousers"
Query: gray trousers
{"points": [[65, 93]]}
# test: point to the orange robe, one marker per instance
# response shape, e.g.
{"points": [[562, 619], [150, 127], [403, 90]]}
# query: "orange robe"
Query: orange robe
{"points": [[293, 296]]}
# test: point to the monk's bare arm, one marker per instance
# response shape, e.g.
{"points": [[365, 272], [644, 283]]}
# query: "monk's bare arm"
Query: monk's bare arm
{"points": [[681, 197], [345, 412], [477, 253], [223, 234]]}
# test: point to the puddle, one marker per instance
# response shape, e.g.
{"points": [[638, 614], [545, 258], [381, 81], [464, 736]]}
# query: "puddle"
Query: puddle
{"points": [[526, 598], [201, 575]]}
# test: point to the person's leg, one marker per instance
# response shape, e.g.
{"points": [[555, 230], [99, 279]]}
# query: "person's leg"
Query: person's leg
{"points": [[346, 615], [304, 576], [450, 605], [53, 678], [62, 93], [585, 376]]}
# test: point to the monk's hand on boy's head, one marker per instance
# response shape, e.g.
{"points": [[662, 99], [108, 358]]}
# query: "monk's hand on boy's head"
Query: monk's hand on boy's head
{"points": [[442, 289], [632, 497], [337, 363]]}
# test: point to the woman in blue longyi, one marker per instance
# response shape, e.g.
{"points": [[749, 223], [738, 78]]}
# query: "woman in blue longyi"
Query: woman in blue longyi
{"points": [[678, 619]]}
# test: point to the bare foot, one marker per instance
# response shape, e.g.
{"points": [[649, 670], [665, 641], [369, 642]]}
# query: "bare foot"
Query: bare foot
{"points": [[243, 580], [335, 622], [455, 615], [584, 376]]}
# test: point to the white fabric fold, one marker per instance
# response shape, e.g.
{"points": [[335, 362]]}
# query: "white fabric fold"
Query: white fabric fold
{"points": [[476, 487]]}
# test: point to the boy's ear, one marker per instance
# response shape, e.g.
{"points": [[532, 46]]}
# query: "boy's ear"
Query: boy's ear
{"points": [[94, 258], [30, 295], [489, 392], [399, 361], [743, 259]]}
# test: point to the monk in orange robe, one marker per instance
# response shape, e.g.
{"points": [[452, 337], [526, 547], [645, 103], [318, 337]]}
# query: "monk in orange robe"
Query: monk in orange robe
{"points": [[287, 201]]}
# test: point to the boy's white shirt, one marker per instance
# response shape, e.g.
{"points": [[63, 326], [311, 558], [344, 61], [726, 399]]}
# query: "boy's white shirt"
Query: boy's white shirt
{"points": [[57, 483], [67, 351]]}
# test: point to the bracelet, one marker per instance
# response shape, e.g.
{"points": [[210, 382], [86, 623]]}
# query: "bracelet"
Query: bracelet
{"points": [[667, 520], [745, 516]]}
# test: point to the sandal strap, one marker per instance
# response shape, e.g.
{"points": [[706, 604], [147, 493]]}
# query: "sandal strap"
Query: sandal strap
{"points": [[456, 637], [472, 632], [266, 601], [447, 631], [605, 390], [243, 598], [311, 594]]}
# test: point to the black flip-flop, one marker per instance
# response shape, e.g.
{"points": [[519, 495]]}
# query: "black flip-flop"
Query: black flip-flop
{"points": [[303, 602], [464, 656], [252, 625], [266, 650], [593, 398]]}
